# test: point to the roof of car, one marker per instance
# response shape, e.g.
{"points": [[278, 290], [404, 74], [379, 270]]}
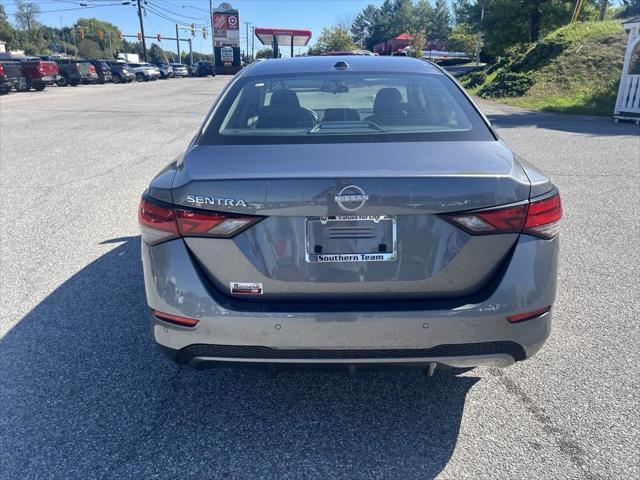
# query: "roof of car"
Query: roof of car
{"points": [[319, 64]]}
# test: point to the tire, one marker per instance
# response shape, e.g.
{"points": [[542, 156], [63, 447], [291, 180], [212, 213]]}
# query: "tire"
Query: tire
{"points": [[74, 83], [62, 82], [24, 85], [140, 77], [39, 86], [4, 91], [116, 79]]}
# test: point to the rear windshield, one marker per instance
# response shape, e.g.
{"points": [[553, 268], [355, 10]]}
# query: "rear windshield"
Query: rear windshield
{"points": [[344, 107]]}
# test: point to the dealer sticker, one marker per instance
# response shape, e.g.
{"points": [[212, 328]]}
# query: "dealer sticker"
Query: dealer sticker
{"points": [[246, 288]]}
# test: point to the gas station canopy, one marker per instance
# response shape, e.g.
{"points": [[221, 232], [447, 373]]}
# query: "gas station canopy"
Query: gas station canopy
{"points": [[284, 36]]}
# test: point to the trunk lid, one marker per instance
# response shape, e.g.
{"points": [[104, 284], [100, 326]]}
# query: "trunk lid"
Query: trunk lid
{"points": [[306, 193]]}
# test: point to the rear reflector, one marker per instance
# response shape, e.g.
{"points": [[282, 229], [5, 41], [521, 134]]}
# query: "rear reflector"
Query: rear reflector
{"points": [[183, 321], [521, 317], [160, 222], [539, 217]]}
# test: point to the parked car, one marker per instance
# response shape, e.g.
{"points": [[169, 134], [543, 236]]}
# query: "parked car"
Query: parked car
{"points": [[103, 69], [10, 73], [166, 70], [387, 225], [37, 73], [145, 71], [74, 71], [121, 72], [180, 70], [202, 69]]}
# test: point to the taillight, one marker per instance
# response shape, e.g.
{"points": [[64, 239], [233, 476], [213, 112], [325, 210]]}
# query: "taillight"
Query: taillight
{"points": [[539, 217], [543, 217], [40, 69], [157, 222], [1, 70], [92, 69], [194, 223], [160, 222]]}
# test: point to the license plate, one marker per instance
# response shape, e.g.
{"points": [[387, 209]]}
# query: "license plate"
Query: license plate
{"points": [[346, 239]]}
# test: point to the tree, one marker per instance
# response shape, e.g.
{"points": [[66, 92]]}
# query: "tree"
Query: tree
{"points": [[441, 22], [156, 54], [463, 39], [93, 28], [630, 8], [333, 39], [89, 49], [7, 32], [362, 25], [511, 22], [264, 53], [27, 15], [419, 42]]}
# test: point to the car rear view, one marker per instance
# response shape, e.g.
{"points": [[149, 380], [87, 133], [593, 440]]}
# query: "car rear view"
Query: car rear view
{"points": [[349, 210]]}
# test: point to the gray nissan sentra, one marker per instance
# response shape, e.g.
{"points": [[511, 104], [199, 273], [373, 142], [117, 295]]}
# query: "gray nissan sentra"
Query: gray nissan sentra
{"points": [[352, 211]]}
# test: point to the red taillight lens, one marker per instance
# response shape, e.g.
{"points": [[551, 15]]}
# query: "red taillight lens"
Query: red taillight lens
{"points": [[178, 320], [540, 218], [92, 69], [157, 223], [1, 70], [499, 220], [205, 224], [543, 218]]}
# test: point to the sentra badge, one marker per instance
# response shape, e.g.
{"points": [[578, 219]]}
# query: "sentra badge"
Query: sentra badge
{"points": [[218, 201]]}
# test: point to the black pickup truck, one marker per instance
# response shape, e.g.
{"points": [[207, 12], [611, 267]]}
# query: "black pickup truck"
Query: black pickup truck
{"points": [[10, 73]]}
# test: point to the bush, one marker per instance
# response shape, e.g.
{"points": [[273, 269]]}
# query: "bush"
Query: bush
{"points": [[507, 84], [474, 79]]}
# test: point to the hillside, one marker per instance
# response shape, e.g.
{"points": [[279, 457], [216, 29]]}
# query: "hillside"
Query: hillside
{"points": [[575, 69]]}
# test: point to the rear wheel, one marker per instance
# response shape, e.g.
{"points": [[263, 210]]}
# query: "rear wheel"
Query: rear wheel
{"points": [[62, 82], [116, 78], [74, 83], [4, 90], [24, 85], [140, 77], [39, 86]]}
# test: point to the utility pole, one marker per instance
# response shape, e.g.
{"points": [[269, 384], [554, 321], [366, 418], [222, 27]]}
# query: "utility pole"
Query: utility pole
{"points": [[190, 54], [213, 43], [144, 44], [479, 36], [253, 43], [246, 50], [178, 43]]}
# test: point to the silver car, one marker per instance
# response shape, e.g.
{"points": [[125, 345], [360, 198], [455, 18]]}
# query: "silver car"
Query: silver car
{"points": [[180, 70], [354, 211]]}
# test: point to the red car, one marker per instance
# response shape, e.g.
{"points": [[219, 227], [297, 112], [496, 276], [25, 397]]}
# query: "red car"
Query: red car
{"points": [[37, 73]]}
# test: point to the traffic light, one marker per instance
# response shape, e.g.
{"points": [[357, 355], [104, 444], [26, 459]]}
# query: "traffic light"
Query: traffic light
{"points": [[204, 32], [193, 29], [100, 34], [139, 37], [81, 33], [158, 36]]}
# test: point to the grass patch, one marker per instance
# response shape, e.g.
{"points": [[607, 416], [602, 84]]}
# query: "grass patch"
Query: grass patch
{"points": [[575, 69]]}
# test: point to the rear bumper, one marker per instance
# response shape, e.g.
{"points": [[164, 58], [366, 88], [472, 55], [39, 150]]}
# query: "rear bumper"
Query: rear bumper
{"points": [[467, 335]]}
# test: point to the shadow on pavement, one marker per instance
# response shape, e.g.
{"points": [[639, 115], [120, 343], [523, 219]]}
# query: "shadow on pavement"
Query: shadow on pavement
{"points": [[589, 125], [85, 394]]}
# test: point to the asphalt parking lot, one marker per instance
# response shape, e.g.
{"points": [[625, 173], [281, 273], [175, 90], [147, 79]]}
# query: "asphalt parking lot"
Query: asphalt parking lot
{"points": [[84, 393]]}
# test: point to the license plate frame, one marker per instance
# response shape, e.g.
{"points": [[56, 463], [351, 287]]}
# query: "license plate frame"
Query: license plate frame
{"points": [[377, 222]]}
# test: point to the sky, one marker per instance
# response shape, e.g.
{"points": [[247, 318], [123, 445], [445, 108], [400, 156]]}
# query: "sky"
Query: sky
{"points": [[305, 14]]}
